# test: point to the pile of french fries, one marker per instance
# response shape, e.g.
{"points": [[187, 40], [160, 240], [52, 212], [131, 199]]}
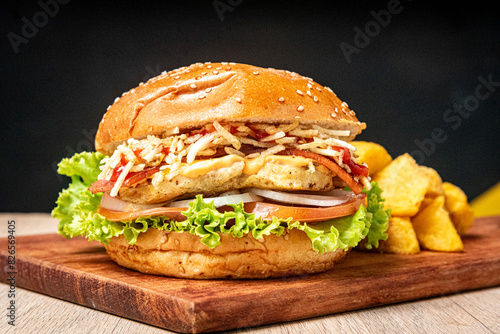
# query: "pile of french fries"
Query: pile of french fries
{"points": [[426, 213]]}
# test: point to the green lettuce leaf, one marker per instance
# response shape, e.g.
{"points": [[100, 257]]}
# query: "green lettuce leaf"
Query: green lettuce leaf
{"points": [[379, 218], [76, 209], [76, 200]]}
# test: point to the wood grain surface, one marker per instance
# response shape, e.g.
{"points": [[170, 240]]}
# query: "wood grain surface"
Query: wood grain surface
{"points": [[80, 271]]}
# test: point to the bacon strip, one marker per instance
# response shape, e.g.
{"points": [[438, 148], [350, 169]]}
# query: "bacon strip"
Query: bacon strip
{"points": [[100, 186], [355, 186]]}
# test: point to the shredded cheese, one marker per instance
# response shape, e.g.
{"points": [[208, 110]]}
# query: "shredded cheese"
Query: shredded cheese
{"points": [[199, 145], [186, 147], [227, 135], [121, 178], [275, 136]]}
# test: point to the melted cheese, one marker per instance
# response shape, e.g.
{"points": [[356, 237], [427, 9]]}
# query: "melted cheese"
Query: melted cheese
{"points": [[252, 166]]}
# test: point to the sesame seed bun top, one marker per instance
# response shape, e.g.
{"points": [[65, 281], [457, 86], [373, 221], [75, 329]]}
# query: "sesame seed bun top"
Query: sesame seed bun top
{"points": [[190, 97]]}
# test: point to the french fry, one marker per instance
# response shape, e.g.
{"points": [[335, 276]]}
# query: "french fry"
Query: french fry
{"points": [[461, 212], [374, 155], [404, 185], [402, 237], [434, 228], [426, 212], [435, 183]]}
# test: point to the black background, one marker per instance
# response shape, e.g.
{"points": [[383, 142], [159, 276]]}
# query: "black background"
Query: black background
{"points": [[403, 80]]}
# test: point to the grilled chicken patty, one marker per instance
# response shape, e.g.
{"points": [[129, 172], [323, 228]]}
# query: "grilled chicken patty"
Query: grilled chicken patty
{"points": [[273, 175]]}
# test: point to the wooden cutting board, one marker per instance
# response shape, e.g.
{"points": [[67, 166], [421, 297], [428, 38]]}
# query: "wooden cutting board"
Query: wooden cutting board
{"points": [[80, 271]]}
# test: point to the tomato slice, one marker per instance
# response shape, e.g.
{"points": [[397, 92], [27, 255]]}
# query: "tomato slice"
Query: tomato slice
{"points": [[305, 214], [261, 209]]}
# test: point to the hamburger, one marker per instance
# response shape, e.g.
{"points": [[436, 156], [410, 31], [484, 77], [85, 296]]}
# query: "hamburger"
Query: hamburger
{"points": [[224, 170]]}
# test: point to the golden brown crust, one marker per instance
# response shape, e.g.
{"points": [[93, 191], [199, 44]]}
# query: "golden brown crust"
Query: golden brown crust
{"points": [[202, 93], [181, 254]]}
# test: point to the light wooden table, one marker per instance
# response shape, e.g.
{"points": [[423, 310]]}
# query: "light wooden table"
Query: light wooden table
{"points": [[469, 312]]}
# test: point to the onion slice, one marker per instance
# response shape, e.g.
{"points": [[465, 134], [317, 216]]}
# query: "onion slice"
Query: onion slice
{"points": [[221, 200], [301, 199]]}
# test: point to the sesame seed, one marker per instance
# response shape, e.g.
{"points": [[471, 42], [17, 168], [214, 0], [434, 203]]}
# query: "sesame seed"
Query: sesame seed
{"points": [[108, 107], [219, 68], [300, 108], [333, 115], [203, 73], [198, 77], [177, 77], [209, 66], [192, 85], [202, 96], [238, 99], [281, 99], [232, 63], [297, 117], [315, 98], [329, 89], [318, 89], [299, 92], [164, 72], [208, 90], [116, 100], [224, 63], [216, 72], [309, 85], [207, 62], [309, 93], [256, 73], [228, 68]]}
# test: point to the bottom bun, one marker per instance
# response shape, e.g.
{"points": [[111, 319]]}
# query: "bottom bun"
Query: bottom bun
{"points": [[181, 254]]}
